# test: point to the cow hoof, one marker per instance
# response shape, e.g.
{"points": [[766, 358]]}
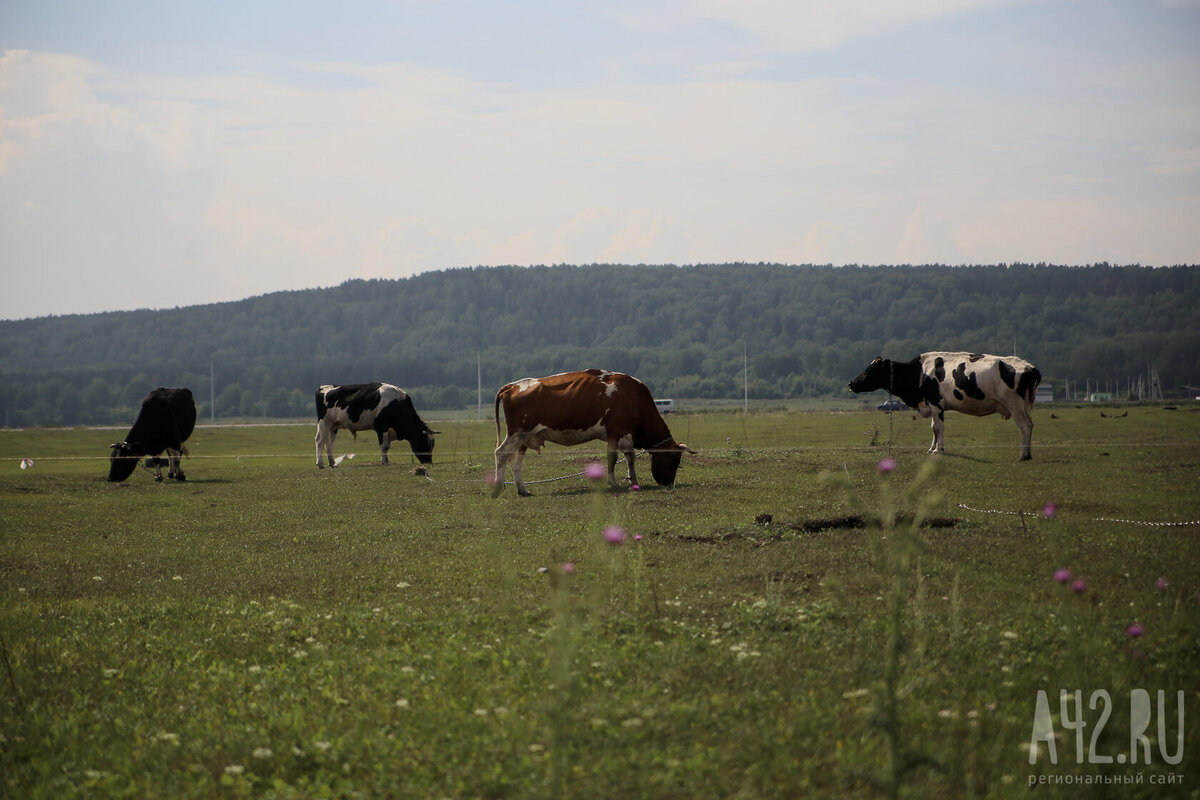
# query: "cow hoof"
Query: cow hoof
{"points": [[158, 478], [181, 477], [525, 493]]}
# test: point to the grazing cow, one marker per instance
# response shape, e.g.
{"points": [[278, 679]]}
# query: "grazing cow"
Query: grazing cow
{"points": [[166, 420], [934, 383], [576, 407], [385, 408]]}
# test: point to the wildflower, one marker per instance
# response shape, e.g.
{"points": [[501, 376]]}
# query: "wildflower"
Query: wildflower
{"points": [[402, 702], [886, 466], [594, 471], [1161, 584], [262, 752], [1049, 510], [323, 746], [1134, 631], [234, 769], [1079, 586], [614, 535], [1062, 576], [637, 538], [568, 567]]}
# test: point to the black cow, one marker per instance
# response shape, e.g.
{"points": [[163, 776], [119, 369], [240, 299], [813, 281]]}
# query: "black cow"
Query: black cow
{"points": [[166, 420], [975, 384], [385, 408]]}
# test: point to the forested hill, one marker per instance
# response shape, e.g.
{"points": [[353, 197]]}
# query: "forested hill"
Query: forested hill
{"points": [[807, 330]]}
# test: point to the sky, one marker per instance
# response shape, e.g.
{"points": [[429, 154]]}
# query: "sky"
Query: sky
{"points": [[162, 154]]}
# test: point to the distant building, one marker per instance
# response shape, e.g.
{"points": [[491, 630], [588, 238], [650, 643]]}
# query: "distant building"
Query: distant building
{"points": [[1100, 397], [1045, 394]]}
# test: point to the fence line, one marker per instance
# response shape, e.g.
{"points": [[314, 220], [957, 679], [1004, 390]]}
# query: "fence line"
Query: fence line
{"points": [[700, 449], [1035, 515]]}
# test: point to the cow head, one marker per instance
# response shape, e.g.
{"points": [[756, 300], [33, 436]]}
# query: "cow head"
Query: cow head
{"points": [[422, 445], [664, 461], [875, 376], [122, 462]]}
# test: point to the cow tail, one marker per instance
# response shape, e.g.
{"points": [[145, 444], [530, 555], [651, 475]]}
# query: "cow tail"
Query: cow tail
{"points": [[1029, 381], [497, 415]]}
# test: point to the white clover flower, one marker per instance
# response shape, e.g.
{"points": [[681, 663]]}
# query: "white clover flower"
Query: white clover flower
{"points": [[234, 769]]}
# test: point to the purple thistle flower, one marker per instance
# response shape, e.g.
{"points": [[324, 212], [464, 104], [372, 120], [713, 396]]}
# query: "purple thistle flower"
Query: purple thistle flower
{"points": [[1079, 586], [1161, 584], [614, 535], [637, 538], [1049, 510], [1134, 631], [1062, 576], [886, 466], [594, 471], [568, 568]]}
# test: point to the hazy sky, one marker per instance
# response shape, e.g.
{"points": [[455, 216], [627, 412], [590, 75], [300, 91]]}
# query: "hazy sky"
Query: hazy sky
{"points": [[159, 154]]}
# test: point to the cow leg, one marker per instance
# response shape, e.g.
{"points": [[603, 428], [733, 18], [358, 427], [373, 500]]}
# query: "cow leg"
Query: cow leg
{"points": [[1025, 426], [174, 470], [633, 481], [325, 437], [613, 455], [517, 461], [157, 469], [385, 444], [938, 424], [506, 452]]}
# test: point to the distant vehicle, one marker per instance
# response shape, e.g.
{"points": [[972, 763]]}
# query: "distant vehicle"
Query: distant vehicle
{"points": [[664, 406], [891, 405]]}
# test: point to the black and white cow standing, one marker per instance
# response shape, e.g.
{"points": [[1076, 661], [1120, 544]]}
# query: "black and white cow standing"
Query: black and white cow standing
{"points": [[382, 407], [975, 384], [165, 421]]}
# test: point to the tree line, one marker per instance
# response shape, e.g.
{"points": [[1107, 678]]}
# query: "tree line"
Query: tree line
{"points": [[689, 332]]}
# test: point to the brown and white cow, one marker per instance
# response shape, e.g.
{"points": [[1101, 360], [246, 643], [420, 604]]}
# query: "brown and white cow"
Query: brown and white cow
{"points": [[975, 384], [576, 407]]}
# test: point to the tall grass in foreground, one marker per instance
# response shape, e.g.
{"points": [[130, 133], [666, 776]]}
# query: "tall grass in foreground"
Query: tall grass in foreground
{"points": [[269, 630]]}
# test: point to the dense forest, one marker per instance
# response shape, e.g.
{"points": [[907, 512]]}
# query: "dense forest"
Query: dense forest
{"points": [[804, 331]]}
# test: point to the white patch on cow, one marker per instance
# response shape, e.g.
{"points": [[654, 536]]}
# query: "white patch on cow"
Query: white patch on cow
{"points": [[525, 384], [570, 437]]}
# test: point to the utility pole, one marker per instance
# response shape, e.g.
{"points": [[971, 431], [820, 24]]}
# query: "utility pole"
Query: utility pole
{"points": [[745, 379]]}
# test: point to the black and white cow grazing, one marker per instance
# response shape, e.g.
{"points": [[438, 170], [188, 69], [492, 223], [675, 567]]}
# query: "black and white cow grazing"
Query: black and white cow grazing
{"points": [[166, 420], [386, 409], [934, 383]]}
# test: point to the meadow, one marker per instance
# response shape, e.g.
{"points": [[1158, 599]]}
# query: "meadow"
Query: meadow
{"points": [[816, 609]]}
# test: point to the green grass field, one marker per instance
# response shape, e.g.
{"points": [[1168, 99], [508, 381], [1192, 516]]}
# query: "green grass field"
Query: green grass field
{"points": [[268, 629]]}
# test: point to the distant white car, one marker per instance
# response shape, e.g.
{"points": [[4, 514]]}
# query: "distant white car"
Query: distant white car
{"points": [[891, 405]]}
